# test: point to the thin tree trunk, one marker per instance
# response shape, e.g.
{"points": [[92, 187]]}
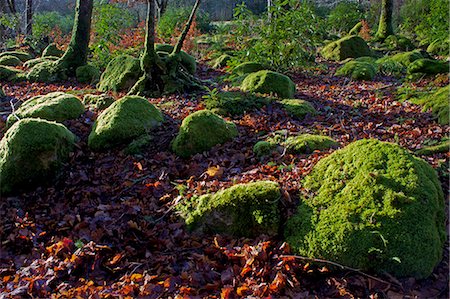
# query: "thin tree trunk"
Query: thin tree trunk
{"points": [[385, 27], [12, 6], [179, 45], [29, 17]]}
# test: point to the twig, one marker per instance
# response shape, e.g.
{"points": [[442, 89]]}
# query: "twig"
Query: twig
{"points": [[13, 109], [304, 258]]}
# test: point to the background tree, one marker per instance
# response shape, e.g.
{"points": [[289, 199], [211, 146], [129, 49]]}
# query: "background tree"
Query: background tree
{"points": [[385, 27], [29, 17]]}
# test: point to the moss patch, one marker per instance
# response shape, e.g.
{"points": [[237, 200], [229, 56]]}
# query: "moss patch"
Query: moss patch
{"points": [[187, 61], [442, 146], [98, 102], [200, 131], [23, 56], [9, 73], [357, 70], [347, 47], [247, 68], [298, 108], [242, 210], [52, 50], [234, 102], [32, 152], [123, 121], [88, 74], [375, 207], [437, 101], [428, 66], [47, 72], [268, 82], [9, 60], [404, 59], [120, 74], [308, 143], [264, 148], [55, 106]]}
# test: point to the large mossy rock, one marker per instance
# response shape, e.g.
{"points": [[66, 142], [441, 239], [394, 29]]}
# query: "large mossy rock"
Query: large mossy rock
{"points": [[243, 210], [428, 66], [52, 50], [88, 74], [121, 74], [23, 56], [200, 131], [55, 106], [46, 72], [9, 60], [298, 108], [347, 47], [11, 74], [373, 207], [247, 68], [125, 120], [358, 70], [269, 82], [405, 58], [187, 61], [234, 102], [32, 152]]}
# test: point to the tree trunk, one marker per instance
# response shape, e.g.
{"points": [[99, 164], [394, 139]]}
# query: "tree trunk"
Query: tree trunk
{"points": [[29, 17], [77, 52], [385, 27]]}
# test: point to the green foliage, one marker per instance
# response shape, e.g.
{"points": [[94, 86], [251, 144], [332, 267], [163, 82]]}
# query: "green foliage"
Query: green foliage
{"points": [[428, 66], [120, 74], [308, 143], [437, 101], [347, 47], [242, 210], [32, 152], [88, 73], [125, 120], [264, 148], [268, 82], [46, 22], [55, 106], [373, 207], [233, 102], [298, 108], [344, 16], [440, 47], [200, 131], [358, 70], [9, 60], [173, 20]]}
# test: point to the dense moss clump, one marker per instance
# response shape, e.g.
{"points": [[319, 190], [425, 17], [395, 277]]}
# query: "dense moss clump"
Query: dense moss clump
{"points": [[55, 106], [52, 50], [428, 66], [221, 61], [187, 61], [87, 74], [32, 152], [347, 47], [439, 47], [32, 62], [234, 102], [47, 72], [121, 74], [442, 146], [358, 70], [268, 82], [308, 143], [98, 102], [437, 101], [298, 108], [123, 121], [242, 210], [9, 60], [200, 131], [248, 68], [374, 207], [9, 73], [23, 56], [398, 42], [404, 59], [264, 148]]}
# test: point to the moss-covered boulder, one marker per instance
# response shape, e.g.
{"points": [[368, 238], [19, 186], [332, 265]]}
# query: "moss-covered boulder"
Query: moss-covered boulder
{"points": [[55, 106], [121, 74], [437, 102], [373, 207], [347, 47], [405, 58], [428, 66], [234, 102], [439, 47], [442, 146], [52, 50], [264, 148], [32, 152], [268, 82], [46, 72], [187, 61], [98, 102], [298, 108], [23, 56], [245, 210], [200, 131], [9, 60], [221, 61], [88, 73], [248, 68], [32, 62], [125, 120], [398, 42], [308, 143], [8, 73], [358, 70]]}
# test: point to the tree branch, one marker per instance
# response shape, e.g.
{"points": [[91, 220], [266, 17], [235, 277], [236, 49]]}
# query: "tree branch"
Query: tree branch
{"points": [[179, 45]]}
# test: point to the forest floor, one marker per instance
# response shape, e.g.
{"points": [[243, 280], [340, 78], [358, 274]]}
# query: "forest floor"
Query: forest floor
{"points": [[107, 225]]}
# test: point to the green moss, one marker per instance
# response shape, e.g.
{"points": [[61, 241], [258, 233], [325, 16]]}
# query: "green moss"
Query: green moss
{"points": [[187, 61], [404, 59], [234, 102], [308, 143], [32, 62], [200, 131], [23, 56], [242, 210], [439, 47], [398, 42], [441, 147], [357, 70], [298, 108], [221, 61], [123, 121], [87, 74], [9, 73], [356, 29], [437, 101], [247, 68], [98, 102], [47, 72], [120, 74], [268, 82], [264, 148], [32, 152], [138, 145], [347, 47], [385, 26], [55, 106], [374, 207], [428, 66], [9, 60], [2, 93], [52, 50]]}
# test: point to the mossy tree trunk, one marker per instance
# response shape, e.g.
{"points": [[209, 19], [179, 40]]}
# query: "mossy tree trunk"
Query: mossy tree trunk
{"points": [[77, 52], [385, 27]]}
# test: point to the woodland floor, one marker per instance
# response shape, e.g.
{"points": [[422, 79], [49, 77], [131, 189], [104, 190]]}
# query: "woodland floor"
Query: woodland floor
{"points": [[107, 225]]}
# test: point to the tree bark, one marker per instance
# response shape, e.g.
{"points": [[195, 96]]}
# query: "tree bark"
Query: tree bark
{"points": [[76, 54], [385, 27], [29, 17], [179, 45]]}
